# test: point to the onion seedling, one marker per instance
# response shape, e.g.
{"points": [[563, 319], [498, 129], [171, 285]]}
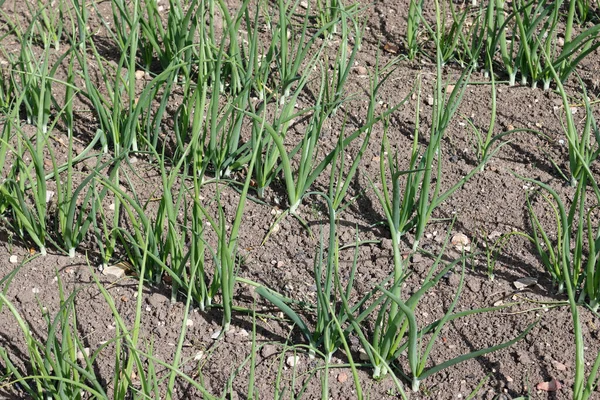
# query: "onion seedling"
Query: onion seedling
{"points": [[472, 36], [582, 389], [568, 249], [584, 147], [413, 208], [47, 18], [324, 332], [327, 333], [571, 226], [534, 33], [418, 358], [32, 80], [171, 42], [415, 9]]}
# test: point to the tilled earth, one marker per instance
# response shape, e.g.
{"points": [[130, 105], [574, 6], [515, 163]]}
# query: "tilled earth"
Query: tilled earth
{"points": [[493, 202]]}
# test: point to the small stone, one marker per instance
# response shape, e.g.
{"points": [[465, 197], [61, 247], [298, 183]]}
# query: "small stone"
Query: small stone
{"points": [[157, 299], [268, 350], [552, 386], [80, 354], [430, 100], [386, 244], [522, 283], [292, 361], [362, 355], [474, 284], [391, 48], [304, 4], [461, 242], [417, 258], [139, 74], [523, 357], [559, 366], [35, 290], [111, 206], [49, 195], [342, 378], [216, 334], [494, 235], [199, 355], [13, 259], [243, 333], [189, 323], [454, 280], [361, 71], [116, 271], [509, 379]]}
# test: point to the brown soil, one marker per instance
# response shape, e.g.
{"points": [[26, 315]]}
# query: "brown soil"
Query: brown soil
{"points": [[494, 200]]}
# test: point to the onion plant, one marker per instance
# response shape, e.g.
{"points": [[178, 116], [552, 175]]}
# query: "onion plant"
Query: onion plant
{"points": [[344, 59], [583, 389], [412, 208], [472, 37], [574, 225], [226, 252], [446, 40], [170, 41], [53, 368], [32, 80], [298, 181], [47, 19], [294, 71], [573, 228], [121, 113], [29, 220], [534, 47], [7, 91], [31, 214], [74, 214], [415, 9], [329, 11], [417, 358], [324, 333], [340, 178], [396, 329], [497, 32], [327, 334], [584, 146], [485, 142]]}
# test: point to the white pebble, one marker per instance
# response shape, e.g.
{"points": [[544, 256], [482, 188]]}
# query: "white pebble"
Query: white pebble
{"points": [[292, 361]]}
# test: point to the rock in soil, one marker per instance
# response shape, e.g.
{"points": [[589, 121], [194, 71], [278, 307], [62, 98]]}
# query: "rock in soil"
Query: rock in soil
{"points": [[292, 361]]}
